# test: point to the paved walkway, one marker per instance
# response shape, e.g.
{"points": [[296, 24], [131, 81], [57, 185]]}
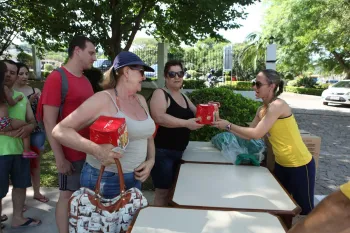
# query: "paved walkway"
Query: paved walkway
{"points": [[43, 211], [332, 124]]}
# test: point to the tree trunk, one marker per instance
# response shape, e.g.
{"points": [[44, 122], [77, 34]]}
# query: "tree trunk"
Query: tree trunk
{"points": [[116, 38], [342, 63], [347, 75]]}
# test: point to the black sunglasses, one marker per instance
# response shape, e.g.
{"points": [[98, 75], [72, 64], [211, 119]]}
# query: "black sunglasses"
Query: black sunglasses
{"points": [[172, 74], [142, 71], [258, 84]]}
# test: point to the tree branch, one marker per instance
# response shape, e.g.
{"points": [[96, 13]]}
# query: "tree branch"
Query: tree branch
{"points": [[341, 61], [135, 28]]}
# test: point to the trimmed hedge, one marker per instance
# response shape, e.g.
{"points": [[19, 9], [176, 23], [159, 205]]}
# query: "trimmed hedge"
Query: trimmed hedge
{"points": [[239, 85], [194, 84], [306, 91], [234, 108]]}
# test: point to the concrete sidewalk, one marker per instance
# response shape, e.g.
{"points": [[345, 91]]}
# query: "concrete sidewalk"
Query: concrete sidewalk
{"points": [[46, 211], [43, 211]]}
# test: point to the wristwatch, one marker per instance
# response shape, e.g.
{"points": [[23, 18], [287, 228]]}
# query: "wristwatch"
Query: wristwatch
{"points": [[228, 127]]}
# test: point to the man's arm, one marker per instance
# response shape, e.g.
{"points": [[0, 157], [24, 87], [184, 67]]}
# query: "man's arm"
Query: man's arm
{"points": [[50, 114], [332, 215]]}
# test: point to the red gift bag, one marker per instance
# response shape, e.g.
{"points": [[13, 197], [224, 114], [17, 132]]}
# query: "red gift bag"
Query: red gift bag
{"points": [[208, 113], [110, 130]]}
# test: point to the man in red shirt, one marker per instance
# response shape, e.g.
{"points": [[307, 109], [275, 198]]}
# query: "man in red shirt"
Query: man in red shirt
{"points": [[69, 162]]}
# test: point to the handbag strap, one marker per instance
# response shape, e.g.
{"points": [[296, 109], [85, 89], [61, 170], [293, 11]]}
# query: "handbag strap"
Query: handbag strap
{"points": [[120, 174]]}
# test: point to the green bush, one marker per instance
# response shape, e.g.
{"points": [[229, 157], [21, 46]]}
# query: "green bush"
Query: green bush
{"points": [[48, 67], [150, 79], [193, 73], [194, 84], [292, 83], [305, 82], [306, 91], [240, 85], [44, 74], [323, 86], [234, 108], [32, 76]]}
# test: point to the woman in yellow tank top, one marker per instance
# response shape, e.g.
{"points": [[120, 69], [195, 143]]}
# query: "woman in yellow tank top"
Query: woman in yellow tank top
{"points": [[295, 166]]}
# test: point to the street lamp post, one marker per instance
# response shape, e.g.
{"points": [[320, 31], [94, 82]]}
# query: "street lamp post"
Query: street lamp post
{"points": [[271, 54]]}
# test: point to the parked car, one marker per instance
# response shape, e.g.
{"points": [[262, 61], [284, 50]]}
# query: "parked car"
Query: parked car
{"points": [[102, 64], [154, 74], [338, 93]]}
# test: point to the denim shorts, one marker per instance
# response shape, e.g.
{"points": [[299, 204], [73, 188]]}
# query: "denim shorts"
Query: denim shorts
{"points": [[164, 170], [109, 187], [16, 168], [38, 140]]}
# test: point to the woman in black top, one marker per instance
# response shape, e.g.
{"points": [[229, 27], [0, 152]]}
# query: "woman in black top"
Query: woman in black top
{"points": [[174, 113]]}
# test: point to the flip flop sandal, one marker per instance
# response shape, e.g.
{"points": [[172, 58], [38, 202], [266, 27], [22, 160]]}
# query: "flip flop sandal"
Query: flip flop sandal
{"points": [[4, 218], [28, 224], [42, 199]]}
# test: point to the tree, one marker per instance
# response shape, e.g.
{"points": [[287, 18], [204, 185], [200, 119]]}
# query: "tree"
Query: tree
{"points": [[25, 58], [113, 24], [311, 33], [11, 23], [254, 51]]}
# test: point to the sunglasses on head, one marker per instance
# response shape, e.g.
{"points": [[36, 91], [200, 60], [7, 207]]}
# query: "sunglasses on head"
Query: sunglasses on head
{"points": [[142, 71], [172, 74], [258, 84]]}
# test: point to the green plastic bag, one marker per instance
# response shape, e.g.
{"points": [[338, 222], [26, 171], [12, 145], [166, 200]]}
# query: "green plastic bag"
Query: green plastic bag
{"points": [[231, 146], [247, 159]]}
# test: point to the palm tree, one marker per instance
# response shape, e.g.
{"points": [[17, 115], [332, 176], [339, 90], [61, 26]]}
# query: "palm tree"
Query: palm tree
{"points": [[253, 54]]}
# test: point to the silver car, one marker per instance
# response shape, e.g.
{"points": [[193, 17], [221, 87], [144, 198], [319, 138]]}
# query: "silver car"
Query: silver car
{"points": [[339, 93]]}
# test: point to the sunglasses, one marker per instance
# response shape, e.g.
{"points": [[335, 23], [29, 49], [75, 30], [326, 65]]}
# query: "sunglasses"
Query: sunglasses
{"points": [[258, 84], [172, 74], [142, 71]]}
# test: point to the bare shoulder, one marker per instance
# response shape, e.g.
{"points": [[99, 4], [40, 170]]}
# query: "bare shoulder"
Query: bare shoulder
{"points": [[278, 103], [158, 94], [141, 98]]}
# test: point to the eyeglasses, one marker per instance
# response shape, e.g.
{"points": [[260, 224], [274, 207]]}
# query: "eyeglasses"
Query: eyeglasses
{"points": [[142, 71], [258, 84], [172, 74]]}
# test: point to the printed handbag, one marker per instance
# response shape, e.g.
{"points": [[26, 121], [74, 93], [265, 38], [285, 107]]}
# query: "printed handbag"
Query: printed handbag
{"points": [[89, 212]]}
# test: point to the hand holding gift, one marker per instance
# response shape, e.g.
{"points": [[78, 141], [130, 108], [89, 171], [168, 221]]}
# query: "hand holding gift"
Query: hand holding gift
{"points": [[112, 136], [208, 113], [106, 155]]}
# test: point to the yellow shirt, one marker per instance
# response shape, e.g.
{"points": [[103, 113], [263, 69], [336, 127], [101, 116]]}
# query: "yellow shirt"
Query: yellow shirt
{"points": [[345, 188], [287, 144]]}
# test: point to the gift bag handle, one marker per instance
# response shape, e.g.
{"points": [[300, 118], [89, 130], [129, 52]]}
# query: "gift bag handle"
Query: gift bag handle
{"points": [[120, 174]]}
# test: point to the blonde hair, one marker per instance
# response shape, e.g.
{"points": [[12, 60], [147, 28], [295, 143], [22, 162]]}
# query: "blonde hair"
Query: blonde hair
{"points": [[111, 78]]}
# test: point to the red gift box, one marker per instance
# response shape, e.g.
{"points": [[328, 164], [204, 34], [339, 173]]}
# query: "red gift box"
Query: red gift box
{"points": [[208, 113], [110, 130]]}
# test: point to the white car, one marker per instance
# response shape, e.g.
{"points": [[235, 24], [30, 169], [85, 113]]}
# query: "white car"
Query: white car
{"points": [[339, 93]]}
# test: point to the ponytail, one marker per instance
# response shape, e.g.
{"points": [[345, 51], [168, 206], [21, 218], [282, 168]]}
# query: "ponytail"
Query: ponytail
{"points": [[280, 88]]}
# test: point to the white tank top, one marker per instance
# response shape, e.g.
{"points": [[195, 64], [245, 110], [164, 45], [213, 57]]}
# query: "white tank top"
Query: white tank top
{"points": [[136, 151]]}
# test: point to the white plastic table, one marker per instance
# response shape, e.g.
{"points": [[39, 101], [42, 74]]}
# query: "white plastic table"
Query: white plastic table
{"points": [[175, 220], [203, 152], [231, 187]]}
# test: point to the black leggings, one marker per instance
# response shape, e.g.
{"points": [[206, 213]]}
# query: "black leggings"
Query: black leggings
{"points": [[300, 183]]}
